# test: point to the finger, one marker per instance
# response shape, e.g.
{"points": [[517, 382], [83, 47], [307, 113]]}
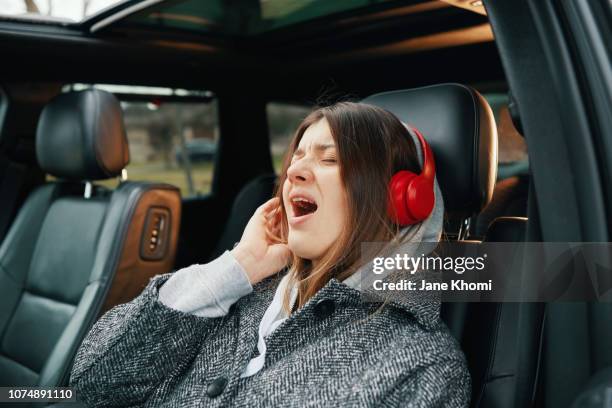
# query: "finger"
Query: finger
{"points": [[273, 213], [271, 239], [273, 230], [273, 235], [261, 214], [270, 223], [269, 205], [274, 218]]}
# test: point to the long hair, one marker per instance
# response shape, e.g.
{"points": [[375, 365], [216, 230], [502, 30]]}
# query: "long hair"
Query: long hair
{"points": [[372, 145]]}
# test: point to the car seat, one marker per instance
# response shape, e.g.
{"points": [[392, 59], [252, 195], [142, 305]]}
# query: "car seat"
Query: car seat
{"points": [[460, 127], [76, 249]]}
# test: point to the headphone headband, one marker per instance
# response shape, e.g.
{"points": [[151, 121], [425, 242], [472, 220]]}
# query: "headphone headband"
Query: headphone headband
{"points": [[429, 167]]}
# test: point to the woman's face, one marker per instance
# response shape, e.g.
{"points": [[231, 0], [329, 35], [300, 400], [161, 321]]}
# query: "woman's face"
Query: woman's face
{"points": [[313, 194]]}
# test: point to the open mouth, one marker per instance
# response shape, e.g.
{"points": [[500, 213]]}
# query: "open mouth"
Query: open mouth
{"points": [[303, 206]]}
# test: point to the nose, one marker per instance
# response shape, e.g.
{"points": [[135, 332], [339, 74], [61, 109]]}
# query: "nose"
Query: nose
{"points": [[300, 171]]}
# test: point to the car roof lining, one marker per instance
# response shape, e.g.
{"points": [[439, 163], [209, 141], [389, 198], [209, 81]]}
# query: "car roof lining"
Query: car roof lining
{"points": [[442, 44], [367, 33], [119, 16], [137, 9]]}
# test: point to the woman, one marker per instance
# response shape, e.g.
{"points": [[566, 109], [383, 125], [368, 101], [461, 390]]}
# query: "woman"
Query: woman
{"points": [[228, 333]]}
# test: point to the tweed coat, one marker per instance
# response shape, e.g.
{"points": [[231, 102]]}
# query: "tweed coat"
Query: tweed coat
{"points": [[336, 350]]}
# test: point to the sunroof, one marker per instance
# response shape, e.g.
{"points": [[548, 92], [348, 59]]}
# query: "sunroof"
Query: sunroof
{"points": [[246, 17], [63, 11]]}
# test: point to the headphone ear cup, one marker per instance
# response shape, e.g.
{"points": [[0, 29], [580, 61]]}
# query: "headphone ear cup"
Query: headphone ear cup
{"points": [[399, 188], [420, 199], [412, 196]]}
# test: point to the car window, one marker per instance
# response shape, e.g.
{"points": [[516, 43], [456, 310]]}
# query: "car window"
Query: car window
{"points": [[172, 135], [283, 120], [58, 11], [248, 18]]}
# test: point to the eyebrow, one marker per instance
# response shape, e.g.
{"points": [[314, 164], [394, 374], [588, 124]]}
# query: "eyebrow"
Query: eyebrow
{"points": [[319, 147]]}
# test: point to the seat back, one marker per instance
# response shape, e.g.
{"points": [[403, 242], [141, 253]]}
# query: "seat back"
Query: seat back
{"points": [[252, 195], [73, 243], [460, 126], [493, 333]]}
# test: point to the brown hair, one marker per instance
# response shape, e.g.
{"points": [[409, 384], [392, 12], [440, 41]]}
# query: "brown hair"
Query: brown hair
{"points": [[372, 145]]}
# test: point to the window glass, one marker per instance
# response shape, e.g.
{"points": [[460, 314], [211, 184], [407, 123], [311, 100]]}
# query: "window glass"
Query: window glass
{"points": [[283, 120], [172, 136], [62, 11], [242, 18]]}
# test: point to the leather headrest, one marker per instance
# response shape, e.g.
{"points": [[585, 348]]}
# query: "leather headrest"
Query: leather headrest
{"points": [[460, 127], [80, 136]]}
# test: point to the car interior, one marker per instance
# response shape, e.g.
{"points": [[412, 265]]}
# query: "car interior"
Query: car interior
{"points": [[140, 138]]}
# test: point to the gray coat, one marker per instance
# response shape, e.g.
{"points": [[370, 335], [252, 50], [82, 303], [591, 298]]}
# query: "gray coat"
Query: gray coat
{"points": [[334, 351]]}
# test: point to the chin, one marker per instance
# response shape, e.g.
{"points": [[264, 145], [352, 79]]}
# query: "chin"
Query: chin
{"points": [[302, 247]]}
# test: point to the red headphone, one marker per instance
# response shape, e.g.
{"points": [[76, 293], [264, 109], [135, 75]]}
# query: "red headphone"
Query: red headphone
{"points": [[411, 195]]}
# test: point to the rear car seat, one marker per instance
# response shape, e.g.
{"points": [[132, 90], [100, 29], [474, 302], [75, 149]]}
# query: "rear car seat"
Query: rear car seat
{"points": [[252, 195], [76, 249]]}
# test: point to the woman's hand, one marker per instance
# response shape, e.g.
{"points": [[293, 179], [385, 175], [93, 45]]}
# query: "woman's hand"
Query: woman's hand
{"points": [[258, 252]]}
